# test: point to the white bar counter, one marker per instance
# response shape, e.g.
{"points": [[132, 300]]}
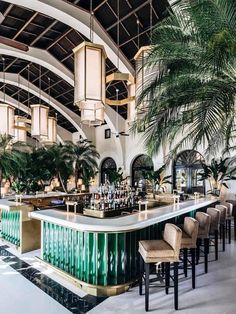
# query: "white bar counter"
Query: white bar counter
{"points": [[101, 255], [127, 223]]}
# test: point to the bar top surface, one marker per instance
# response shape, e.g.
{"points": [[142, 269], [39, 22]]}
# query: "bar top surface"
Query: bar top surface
{"points": [[127, 223]]}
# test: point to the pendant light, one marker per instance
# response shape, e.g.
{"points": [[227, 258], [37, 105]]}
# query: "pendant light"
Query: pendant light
{"points": [[144, 73], [39, 116], [90, 86], [52, 122], [6, 111], [20, 122]]}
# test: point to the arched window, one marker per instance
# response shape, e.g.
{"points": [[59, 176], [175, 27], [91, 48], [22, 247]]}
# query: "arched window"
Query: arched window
{"points": [[140, 164], [108, 164], [186, 170]]}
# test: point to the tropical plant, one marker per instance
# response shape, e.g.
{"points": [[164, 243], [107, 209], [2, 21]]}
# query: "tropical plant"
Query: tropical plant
{"points": [[12, 158], [35, 174], [218, 172], [58, 163], [157, 177], [115, 176], [191, 93], [83, 157]]}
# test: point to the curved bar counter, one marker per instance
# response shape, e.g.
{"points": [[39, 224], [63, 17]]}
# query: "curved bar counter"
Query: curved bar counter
{"points": [[17, 227], [101, 255]]}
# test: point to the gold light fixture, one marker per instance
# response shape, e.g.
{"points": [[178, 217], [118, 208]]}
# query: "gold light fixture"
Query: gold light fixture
{"points": [[7, 113], [131, 110], [143, 75], [90, 82]]}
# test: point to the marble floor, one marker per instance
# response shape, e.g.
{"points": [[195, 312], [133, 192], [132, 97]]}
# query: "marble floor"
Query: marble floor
{"points": [[27, 287]]}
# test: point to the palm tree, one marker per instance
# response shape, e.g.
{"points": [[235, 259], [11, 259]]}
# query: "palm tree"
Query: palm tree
{"points": [[12, 158], [56, 161], [83, 157], [218, 172], [191, 93]]}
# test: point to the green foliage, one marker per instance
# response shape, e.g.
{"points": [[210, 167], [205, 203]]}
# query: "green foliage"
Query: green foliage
{"points": [[218, 172], [157, 177], [193, 61], [12, 158], [115, 176], [83, 160]]}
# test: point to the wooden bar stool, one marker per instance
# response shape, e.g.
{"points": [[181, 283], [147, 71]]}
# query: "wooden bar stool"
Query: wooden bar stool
{"points": [[203, 234], [229, 218], [214, 213], [223, 211], [189, 241], [161, 251]]}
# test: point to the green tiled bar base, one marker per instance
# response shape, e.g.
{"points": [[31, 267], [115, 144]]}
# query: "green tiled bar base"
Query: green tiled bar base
{"points": [[11, 226], [105, 259]]}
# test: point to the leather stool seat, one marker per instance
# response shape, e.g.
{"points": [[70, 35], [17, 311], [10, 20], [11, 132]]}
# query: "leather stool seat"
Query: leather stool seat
{"points": [[154, 251]]}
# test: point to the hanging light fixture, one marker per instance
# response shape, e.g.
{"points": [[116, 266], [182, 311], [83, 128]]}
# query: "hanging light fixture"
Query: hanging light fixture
{"points": [[52, 122], [52, 130], [89, 60], [39, 121], [20, 125], [144, 73], [6, 111], [20, 129], [131, 113], [39, 117]]}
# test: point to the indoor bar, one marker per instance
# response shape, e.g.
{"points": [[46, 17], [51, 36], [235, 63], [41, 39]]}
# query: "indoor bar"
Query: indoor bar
{"points": [[117, 156]]}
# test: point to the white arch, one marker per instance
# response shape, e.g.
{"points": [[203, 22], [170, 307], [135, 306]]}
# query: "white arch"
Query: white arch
{"points": [[12, 79], [78, 19], [41, 57], [11, 101]]}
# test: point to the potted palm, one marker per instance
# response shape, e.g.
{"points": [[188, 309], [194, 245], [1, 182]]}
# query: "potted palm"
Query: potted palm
{"points": [[157, 179], [218, 172]]}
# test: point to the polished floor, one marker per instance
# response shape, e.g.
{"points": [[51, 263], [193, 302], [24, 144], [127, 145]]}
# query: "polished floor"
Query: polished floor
{"points": [[27, 287]]}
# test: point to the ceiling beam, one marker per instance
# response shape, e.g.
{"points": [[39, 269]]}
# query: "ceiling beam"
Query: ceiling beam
{"points": [[78, 19]]}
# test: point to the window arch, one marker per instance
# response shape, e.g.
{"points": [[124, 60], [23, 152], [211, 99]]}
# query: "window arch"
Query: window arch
{"points": [[186, 168], [140, 164], [107, 165]]}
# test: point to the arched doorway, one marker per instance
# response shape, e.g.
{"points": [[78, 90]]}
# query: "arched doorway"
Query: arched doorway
{"points": [[140, 164], [107, 165], [186, 170]]}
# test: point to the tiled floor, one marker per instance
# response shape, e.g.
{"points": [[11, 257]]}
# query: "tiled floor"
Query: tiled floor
{"points": [[22, 291]]}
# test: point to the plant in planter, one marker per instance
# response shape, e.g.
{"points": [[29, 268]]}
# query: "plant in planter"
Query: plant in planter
{"points": [[115, 176], [157, 178], [218, 172]]}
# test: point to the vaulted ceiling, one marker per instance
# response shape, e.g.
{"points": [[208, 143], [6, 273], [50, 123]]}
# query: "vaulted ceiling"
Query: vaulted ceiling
{"points": [[38, 30]]}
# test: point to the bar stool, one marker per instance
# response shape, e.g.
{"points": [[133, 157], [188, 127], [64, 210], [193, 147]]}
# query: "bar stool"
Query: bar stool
{"points": [[203, 234], [223, 211], [214, 213], [189, 241], [161, 251], [229, 218]]}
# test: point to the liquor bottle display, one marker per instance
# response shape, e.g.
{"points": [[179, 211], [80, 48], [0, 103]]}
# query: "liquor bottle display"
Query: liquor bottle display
{"points": [[111, 198]]}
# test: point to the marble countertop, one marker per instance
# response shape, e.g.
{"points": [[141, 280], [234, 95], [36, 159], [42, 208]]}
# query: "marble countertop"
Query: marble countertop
{"points": [[127, 223], [7, 204]]}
